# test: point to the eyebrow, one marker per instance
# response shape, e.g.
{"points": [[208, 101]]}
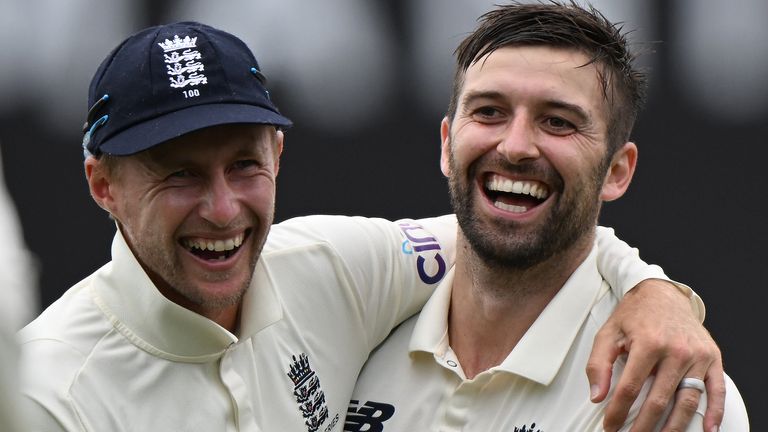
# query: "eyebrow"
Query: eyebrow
{"points": [[474, 95], [572, 108]]}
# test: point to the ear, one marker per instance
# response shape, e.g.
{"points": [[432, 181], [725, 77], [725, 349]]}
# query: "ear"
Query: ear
{"points": [[99, 183], [620, 172], [445, 147], [279, 138]]}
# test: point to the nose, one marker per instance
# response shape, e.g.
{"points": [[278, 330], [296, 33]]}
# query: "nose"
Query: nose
{"points": [[518, 140], [220, 205]]}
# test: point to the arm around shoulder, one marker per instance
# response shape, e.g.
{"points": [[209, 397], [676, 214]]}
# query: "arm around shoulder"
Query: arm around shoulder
{"points": [[387, 269], [623, 269]]}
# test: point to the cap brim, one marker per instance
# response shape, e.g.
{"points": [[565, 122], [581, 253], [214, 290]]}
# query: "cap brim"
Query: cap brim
{"points": [[160, 129]]}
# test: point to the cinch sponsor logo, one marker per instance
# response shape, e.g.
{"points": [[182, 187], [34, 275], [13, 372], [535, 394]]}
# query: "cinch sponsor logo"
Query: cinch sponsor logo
{"points": [[430, 265]]}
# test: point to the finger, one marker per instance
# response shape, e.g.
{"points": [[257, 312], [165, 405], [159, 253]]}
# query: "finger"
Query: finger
{"points": [[686, 402], [715, 382], [676, 365], [640, 362], [661, 392], [607, 347]]}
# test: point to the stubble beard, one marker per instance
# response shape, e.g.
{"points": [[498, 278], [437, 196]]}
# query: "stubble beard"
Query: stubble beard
{"points": [[158, 255], [503, 244]]}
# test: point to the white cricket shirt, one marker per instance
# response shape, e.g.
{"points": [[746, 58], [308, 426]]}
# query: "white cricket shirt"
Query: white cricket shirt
{"points": [[414, 381], [113, 354]]}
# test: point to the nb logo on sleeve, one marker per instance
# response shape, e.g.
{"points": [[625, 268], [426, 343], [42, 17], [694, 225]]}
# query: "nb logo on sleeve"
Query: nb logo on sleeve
{"points": [[369, 417]]}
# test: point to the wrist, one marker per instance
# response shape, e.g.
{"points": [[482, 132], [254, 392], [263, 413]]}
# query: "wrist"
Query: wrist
{"points": [[678, 289]]}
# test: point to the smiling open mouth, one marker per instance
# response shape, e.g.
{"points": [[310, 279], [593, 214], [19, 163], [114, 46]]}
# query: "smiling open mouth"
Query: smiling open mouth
{"points": [[214, 250], [516, 196]]}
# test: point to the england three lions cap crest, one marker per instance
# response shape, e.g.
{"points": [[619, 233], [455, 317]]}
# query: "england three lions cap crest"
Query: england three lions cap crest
{"points": [[169, 80]]}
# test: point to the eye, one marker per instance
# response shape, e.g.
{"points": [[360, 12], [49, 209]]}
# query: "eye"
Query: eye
{"points": [[180, 174], [245, 164], [559, 126], [488, 112], [180, 178]]}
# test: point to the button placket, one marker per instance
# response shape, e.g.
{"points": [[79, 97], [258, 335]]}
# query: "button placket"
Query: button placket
{"points": [[238, 389]]}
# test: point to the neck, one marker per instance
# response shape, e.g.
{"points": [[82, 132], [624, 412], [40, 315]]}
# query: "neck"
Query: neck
{"points": [[228, 318], [492, 308]]}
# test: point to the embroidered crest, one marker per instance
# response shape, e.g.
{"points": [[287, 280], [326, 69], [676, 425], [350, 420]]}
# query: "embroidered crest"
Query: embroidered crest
{"points": [[308, 393], [182, 65]]}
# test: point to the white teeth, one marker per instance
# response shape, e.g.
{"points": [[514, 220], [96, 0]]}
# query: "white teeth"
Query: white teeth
{"points": [[536, 190], [502, 184], [509, 207], [215, 245]]}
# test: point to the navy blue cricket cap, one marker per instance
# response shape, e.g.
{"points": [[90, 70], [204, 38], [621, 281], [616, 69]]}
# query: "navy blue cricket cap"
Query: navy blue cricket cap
{"points": [[169, 80]]}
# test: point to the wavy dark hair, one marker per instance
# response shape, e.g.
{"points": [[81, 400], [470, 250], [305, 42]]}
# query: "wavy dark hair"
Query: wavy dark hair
{"points": [[563, 25]]}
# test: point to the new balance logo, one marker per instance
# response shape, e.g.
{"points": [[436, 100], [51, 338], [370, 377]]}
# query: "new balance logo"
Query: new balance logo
{"points": [[526, 429], [369, 417]]}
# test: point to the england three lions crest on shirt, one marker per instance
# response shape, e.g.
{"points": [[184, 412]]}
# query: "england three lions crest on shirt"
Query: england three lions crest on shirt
{"points": [[309, 396]]}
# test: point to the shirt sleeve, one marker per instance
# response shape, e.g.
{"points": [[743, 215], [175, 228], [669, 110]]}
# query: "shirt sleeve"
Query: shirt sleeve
{"points": [[443, 229], [419, 259], [383, 271], [735, 416], [50, 367], [622, 268]]}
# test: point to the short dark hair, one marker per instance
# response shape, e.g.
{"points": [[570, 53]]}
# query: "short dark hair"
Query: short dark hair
{"points": [[563, 25]]}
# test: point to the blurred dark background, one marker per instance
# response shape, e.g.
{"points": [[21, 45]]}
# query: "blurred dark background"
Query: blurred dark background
{"points": [[366, 83]]}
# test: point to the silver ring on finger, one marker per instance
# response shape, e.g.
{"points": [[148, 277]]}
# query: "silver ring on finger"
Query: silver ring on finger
{"points": [[692, 383]]}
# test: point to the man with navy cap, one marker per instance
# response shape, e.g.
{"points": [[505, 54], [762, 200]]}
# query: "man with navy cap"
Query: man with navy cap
{"points": [[203, 322]]}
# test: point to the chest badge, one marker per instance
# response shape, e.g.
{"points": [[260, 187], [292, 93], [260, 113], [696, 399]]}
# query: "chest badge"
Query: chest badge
{"points": [[309, 396]]}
